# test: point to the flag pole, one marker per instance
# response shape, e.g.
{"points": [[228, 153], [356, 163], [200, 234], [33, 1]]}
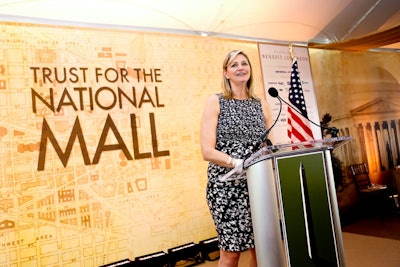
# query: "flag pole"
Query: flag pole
{"points": [[291, 50]]}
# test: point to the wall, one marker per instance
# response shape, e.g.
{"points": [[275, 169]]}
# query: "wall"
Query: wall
{"points": [[360, 91], [103, 165]]}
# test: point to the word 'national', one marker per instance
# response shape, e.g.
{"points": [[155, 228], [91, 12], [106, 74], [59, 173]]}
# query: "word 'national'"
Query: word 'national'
{"points": [[104, 98]]}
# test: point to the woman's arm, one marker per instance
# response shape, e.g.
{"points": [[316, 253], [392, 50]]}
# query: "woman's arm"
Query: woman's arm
{"points": [[208, 135]]}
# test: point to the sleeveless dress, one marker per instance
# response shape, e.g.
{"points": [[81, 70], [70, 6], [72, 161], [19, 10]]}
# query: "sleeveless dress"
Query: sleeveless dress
{"points": [[240, 125]]}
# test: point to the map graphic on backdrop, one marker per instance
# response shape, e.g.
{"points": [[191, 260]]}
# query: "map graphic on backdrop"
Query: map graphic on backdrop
{"points": [[92, 168], [276, 65]]}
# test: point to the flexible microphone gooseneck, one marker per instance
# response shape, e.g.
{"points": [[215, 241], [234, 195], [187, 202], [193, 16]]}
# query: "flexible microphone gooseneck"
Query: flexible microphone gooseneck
{"points": [[332, 130], [264, 137]]}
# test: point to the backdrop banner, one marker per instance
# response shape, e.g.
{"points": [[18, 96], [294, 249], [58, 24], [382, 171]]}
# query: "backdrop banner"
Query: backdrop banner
{"points": [[99, 155]]}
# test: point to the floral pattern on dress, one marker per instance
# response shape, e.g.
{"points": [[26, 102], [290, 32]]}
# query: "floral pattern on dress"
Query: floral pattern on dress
{"points": [[240, 125]]}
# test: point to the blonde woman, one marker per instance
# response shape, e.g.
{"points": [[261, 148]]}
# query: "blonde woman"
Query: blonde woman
{"points": [[231, 125]]}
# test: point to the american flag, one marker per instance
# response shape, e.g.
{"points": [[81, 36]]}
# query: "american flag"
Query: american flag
{"points": [[299, 129]]}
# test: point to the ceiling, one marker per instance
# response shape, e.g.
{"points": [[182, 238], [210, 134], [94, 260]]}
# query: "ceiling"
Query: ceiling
{"points": [[335, 24]]}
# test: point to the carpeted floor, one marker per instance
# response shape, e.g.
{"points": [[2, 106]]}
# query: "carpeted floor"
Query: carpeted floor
{"points": [[370, 251], [368, 242], [389, 228]]}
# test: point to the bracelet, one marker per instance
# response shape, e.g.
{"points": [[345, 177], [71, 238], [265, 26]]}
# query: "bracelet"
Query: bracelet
{"points": [[238, 162], [233, 163], [229, 160]]}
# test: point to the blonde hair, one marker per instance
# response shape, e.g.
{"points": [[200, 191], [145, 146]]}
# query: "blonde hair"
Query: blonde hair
{"points": [[226, 84]]}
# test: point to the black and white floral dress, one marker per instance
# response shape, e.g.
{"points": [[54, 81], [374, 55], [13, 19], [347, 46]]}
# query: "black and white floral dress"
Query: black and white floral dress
{"points": [[240, 125]]}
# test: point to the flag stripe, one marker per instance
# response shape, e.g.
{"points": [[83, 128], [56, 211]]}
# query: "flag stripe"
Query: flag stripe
{"points": [[302, 123], [297, 132]]}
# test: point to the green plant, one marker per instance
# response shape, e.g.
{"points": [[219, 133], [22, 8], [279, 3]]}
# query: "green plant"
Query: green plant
{"points": [[336, 162]]}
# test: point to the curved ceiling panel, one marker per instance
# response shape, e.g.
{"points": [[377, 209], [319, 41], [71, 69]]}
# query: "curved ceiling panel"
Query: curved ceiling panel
{"points": [[297, 21]]}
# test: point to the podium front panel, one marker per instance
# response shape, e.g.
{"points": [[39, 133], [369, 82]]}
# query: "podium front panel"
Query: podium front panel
{"points": [[308, 226], [265, 215]]}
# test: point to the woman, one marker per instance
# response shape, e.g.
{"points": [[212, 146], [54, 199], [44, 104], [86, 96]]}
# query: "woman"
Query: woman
{"points": [[232, 123]]}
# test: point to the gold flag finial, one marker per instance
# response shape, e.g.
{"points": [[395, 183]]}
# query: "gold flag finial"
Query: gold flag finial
{"points": [[291, 50]]}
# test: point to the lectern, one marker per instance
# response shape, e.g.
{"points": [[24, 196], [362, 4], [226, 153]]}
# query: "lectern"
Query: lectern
{"points": [[293, 204]]}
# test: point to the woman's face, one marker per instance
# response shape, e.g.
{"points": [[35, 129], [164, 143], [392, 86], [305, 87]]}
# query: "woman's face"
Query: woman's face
{"points": [[238, 71]]}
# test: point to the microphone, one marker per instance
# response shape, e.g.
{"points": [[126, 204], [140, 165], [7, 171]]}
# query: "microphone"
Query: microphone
{"points": [[273, 92], [332, 130]]}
